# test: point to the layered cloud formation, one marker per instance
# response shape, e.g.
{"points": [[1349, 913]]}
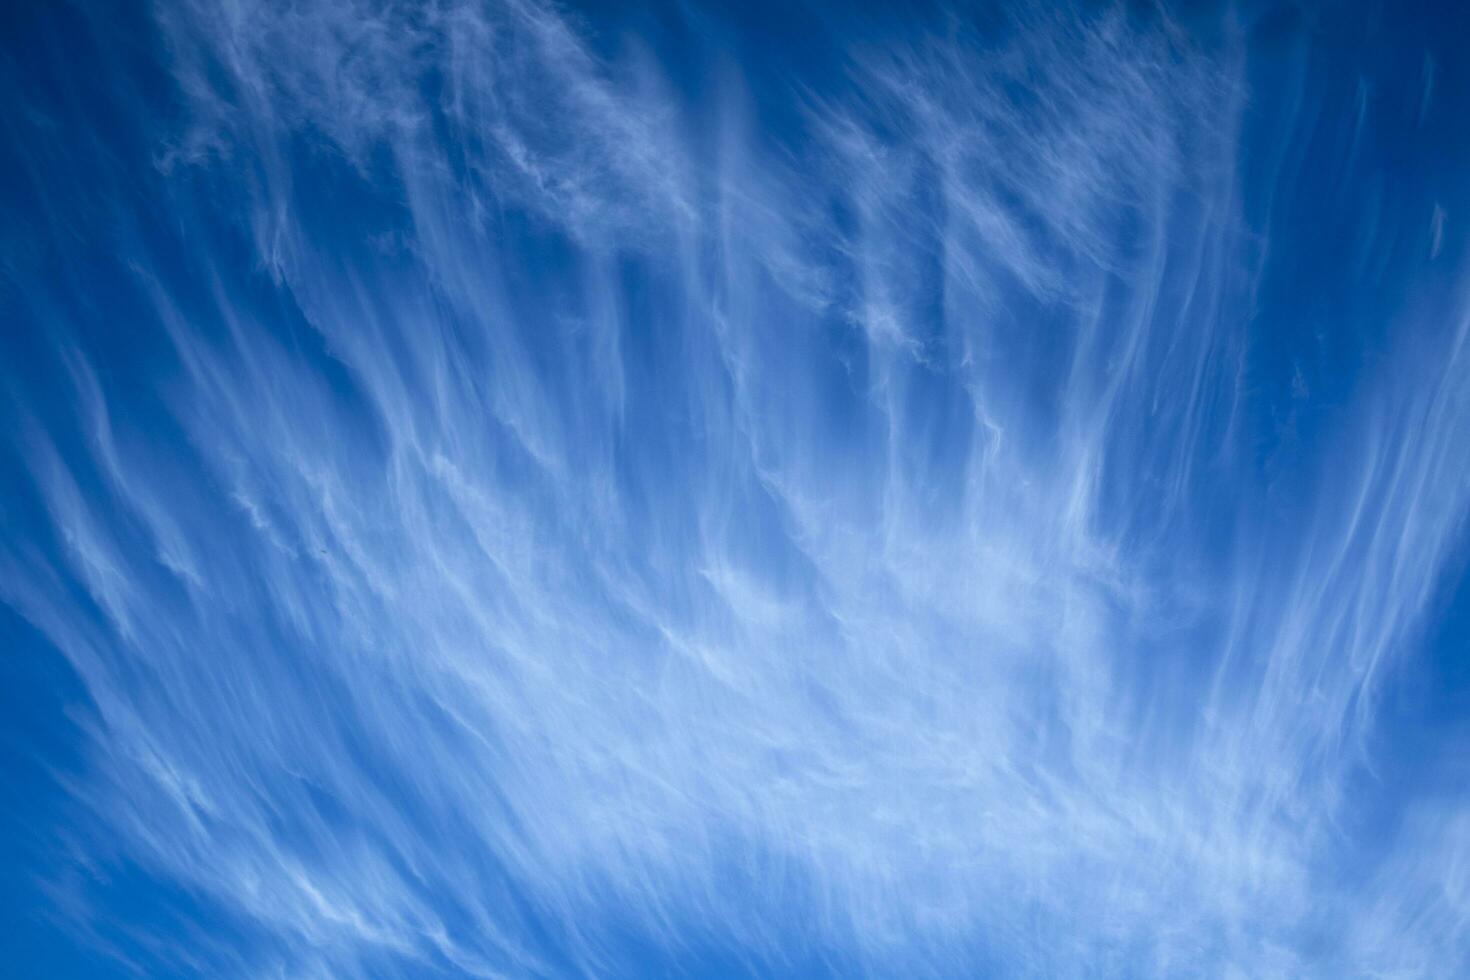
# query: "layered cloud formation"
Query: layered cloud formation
{"points": [[527, 492]]}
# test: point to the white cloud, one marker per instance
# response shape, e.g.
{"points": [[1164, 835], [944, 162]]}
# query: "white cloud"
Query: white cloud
{"points": [[640, 545]]}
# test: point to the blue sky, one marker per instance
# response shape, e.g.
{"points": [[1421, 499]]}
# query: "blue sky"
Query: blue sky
{"points": [[510, 489]]}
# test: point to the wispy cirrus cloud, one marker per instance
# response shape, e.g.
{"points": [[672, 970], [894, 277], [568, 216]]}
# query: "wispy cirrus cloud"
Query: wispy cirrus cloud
{"points": [[567, 511]]}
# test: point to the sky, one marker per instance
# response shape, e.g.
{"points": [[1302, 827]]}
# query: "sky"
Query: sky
{"points": [[494, 488]]}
